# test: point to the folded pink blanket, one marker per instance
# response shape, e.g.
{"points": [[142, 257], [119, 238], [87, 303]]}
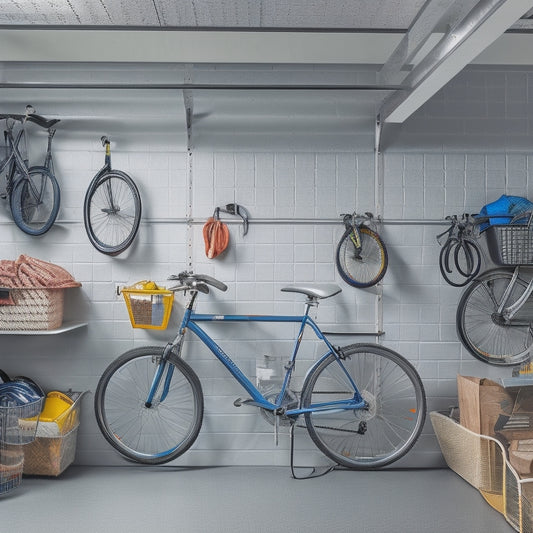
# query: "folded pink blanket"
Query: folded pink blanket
{"points": [[28, 272]]}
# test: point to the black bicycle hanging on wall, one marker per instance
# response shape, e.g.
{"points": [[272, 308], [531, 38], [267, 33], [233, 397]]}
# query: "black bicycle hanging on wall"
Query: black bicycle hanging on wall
{"points": [[112, 208], [32, 191]]}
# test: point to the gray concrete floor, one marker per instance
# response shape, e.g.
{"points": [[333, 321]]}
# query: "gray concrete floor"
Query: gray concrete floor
{"points": [[133, 499]]}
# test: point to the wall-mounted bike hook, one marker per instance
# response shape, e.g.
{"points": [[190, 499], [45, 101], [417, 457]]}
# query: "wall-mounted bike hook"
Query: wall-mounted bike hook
{"points": [[234, 209]]}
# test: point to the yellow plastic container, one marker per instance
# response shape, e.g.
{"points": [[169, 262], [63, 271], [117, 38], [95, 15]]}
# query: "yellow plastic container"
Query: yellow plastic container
{"points": [[56, 405], [55, 418], [148, 309]]}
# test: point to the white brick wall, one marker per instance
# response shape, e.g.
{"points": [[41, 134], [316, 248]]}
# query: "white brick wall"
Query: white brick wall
{"points": [[458, 153]]}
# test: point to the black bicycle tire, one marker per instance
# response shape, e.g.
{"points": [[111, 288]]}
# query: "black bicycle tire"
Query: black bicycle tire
{"points": [[17, 208], [444, 264], [469, 258], [119, 442], [446, 251], [487, 326], [473, 256], [98, 243], [402, 410], [384, 258]]}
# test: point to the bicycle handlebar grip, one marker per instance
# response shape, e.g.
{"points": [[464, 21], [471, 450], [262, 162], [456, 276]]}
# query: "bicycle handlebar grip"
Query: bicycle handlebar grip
{"points": [[188, 278], [212, 281], [41, 121]]}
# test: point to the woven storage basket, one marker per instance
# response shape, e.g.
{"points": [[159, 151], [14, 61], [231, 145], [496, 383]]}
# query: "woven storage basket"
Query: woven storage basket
{"points": [[34, 309], [54, 449], [50, 456], [482, 461]]}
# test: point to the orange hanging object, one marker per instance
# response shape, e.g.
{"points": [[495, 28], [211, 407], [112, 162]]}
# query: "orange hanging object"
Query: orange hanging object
{"points": [[216, 237]]}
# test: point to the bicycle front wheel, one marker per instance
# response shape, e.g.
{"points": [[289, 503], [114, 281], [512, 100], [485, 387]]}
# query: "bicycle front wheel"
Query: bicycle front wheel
{"points": [[365, 266], [112, 212], [154, 434], [387, 429], [482, 327], [35, 201]]}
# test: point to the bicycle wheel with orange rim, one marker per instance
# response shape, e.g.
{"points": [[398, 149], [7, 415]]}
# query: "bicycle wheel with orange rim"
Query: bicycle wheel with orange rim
{"points": [[362, 266]]}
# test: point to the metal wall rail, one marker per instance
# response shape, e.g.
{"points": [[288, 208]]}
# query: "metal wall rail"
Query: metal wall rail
{"points": [[266, 221], [206, 86]]}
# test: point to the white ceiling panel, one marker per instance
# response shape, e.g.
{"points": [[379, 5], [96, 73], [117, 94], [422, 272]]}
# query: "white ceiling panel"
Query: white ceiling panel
{"points": [[321, 14], [263, 34]]}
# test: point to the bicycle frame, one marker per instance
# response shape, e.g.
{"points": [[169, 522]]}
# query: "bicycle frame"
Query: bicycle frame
{"points": [[508, 312], [190, 322], [14, 157]]}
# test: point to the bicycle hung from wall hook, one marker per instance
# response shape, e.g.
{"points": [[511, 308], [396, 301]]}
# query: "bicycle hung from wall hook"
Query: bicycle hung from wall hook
{"points": [[361, 256], [112, 208], [32, 191]]}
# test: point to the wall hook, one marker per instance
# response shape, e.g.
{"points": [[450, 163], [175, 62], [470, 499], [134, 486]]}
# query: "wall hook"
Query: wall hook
{"points": [[234, 209]]}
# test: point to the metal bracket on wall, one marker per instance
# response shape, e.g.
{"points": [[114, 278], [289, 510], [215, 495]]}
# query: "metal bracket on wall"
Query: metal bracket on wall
{"points": [[234, 209]]}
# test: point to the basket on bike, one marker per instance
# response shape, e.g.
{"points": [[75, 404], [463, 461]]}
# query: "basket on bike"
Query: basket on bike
{"points": [[148, 308], [510, 244]]}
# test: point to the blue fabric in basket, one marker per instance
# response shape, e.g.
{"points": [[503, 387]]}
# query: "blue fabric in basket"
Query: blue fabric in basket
{"points": [[504, 209]]}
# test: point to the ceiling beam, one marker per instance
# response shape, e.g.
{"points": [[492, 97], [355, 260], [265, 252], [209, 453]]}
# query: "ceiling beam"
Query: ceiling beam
{"points": [[481, 27], [196, 47], [418, 33]]}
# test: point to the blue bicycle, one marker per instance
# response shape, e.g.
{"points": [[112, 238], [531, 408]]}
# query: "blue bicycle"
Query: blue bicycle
{"points": [[363, 405]]}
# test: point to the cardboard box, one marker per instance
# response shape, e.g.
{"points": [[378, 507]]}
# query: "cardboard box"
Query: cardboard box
{"points": [[521, 456], [481, 403], [518, 426]]}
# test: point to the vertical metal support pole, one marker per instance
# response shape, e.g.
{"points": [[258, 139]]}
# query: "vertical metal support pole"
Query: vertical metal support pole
{"points": [[188, 103], [379, 194]]}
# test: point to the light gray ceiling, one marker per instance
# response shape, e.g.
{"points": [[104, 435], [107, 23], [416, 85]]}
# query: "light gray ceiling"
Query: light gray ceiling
{"points": [[252, 14], [323, 14], [403, 50]]}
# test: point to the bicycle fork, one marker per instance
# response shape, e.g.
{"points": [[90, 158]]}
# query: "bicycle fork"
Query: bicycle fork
{"points": [[172, 348], [508, 312]]}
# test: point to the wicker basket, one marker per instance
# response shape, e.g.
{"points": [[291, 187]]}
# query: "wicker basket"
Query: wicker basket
{"points": [[34, 309], [54, 450], [482, 461], [50, 456]]}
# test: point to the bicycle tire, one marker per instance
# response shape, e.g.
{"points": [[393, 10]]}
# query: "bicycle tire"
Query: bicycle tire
{"points": [[394, 419], [472, 257], [444, 256], [447, 251], [366, 268], [35, 201], [484, 332], [112, 225], [150, 435]]}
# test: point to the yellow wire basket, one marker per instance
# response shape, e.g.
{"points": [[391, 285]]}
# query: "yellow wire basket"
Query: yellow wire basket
{"points": [[148, 309]]}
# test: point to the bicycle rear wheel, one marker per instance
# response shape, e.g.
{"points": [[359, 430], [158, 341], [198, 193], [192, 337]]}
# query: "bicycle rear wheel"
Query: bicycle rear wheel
{"points": [[364, 267], [379, 435], [484, 331], [112, 212], [35, 201], [154, 434]]}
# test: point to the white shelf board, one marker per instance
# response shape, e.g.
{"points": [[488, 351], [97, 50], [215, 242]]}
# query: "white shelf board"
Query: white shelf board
{"points": [[66, 326]]}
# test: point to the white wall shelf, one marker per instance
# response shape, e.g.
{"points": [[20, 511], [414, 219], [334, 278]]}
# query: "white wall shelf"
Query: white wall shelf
{"points": [[67, 326]]}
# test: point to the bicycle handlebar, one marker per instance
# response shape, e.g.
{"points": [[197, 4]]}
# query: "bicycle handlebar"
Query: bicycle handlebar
{"points": [[36, 119], [199, 282]]}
